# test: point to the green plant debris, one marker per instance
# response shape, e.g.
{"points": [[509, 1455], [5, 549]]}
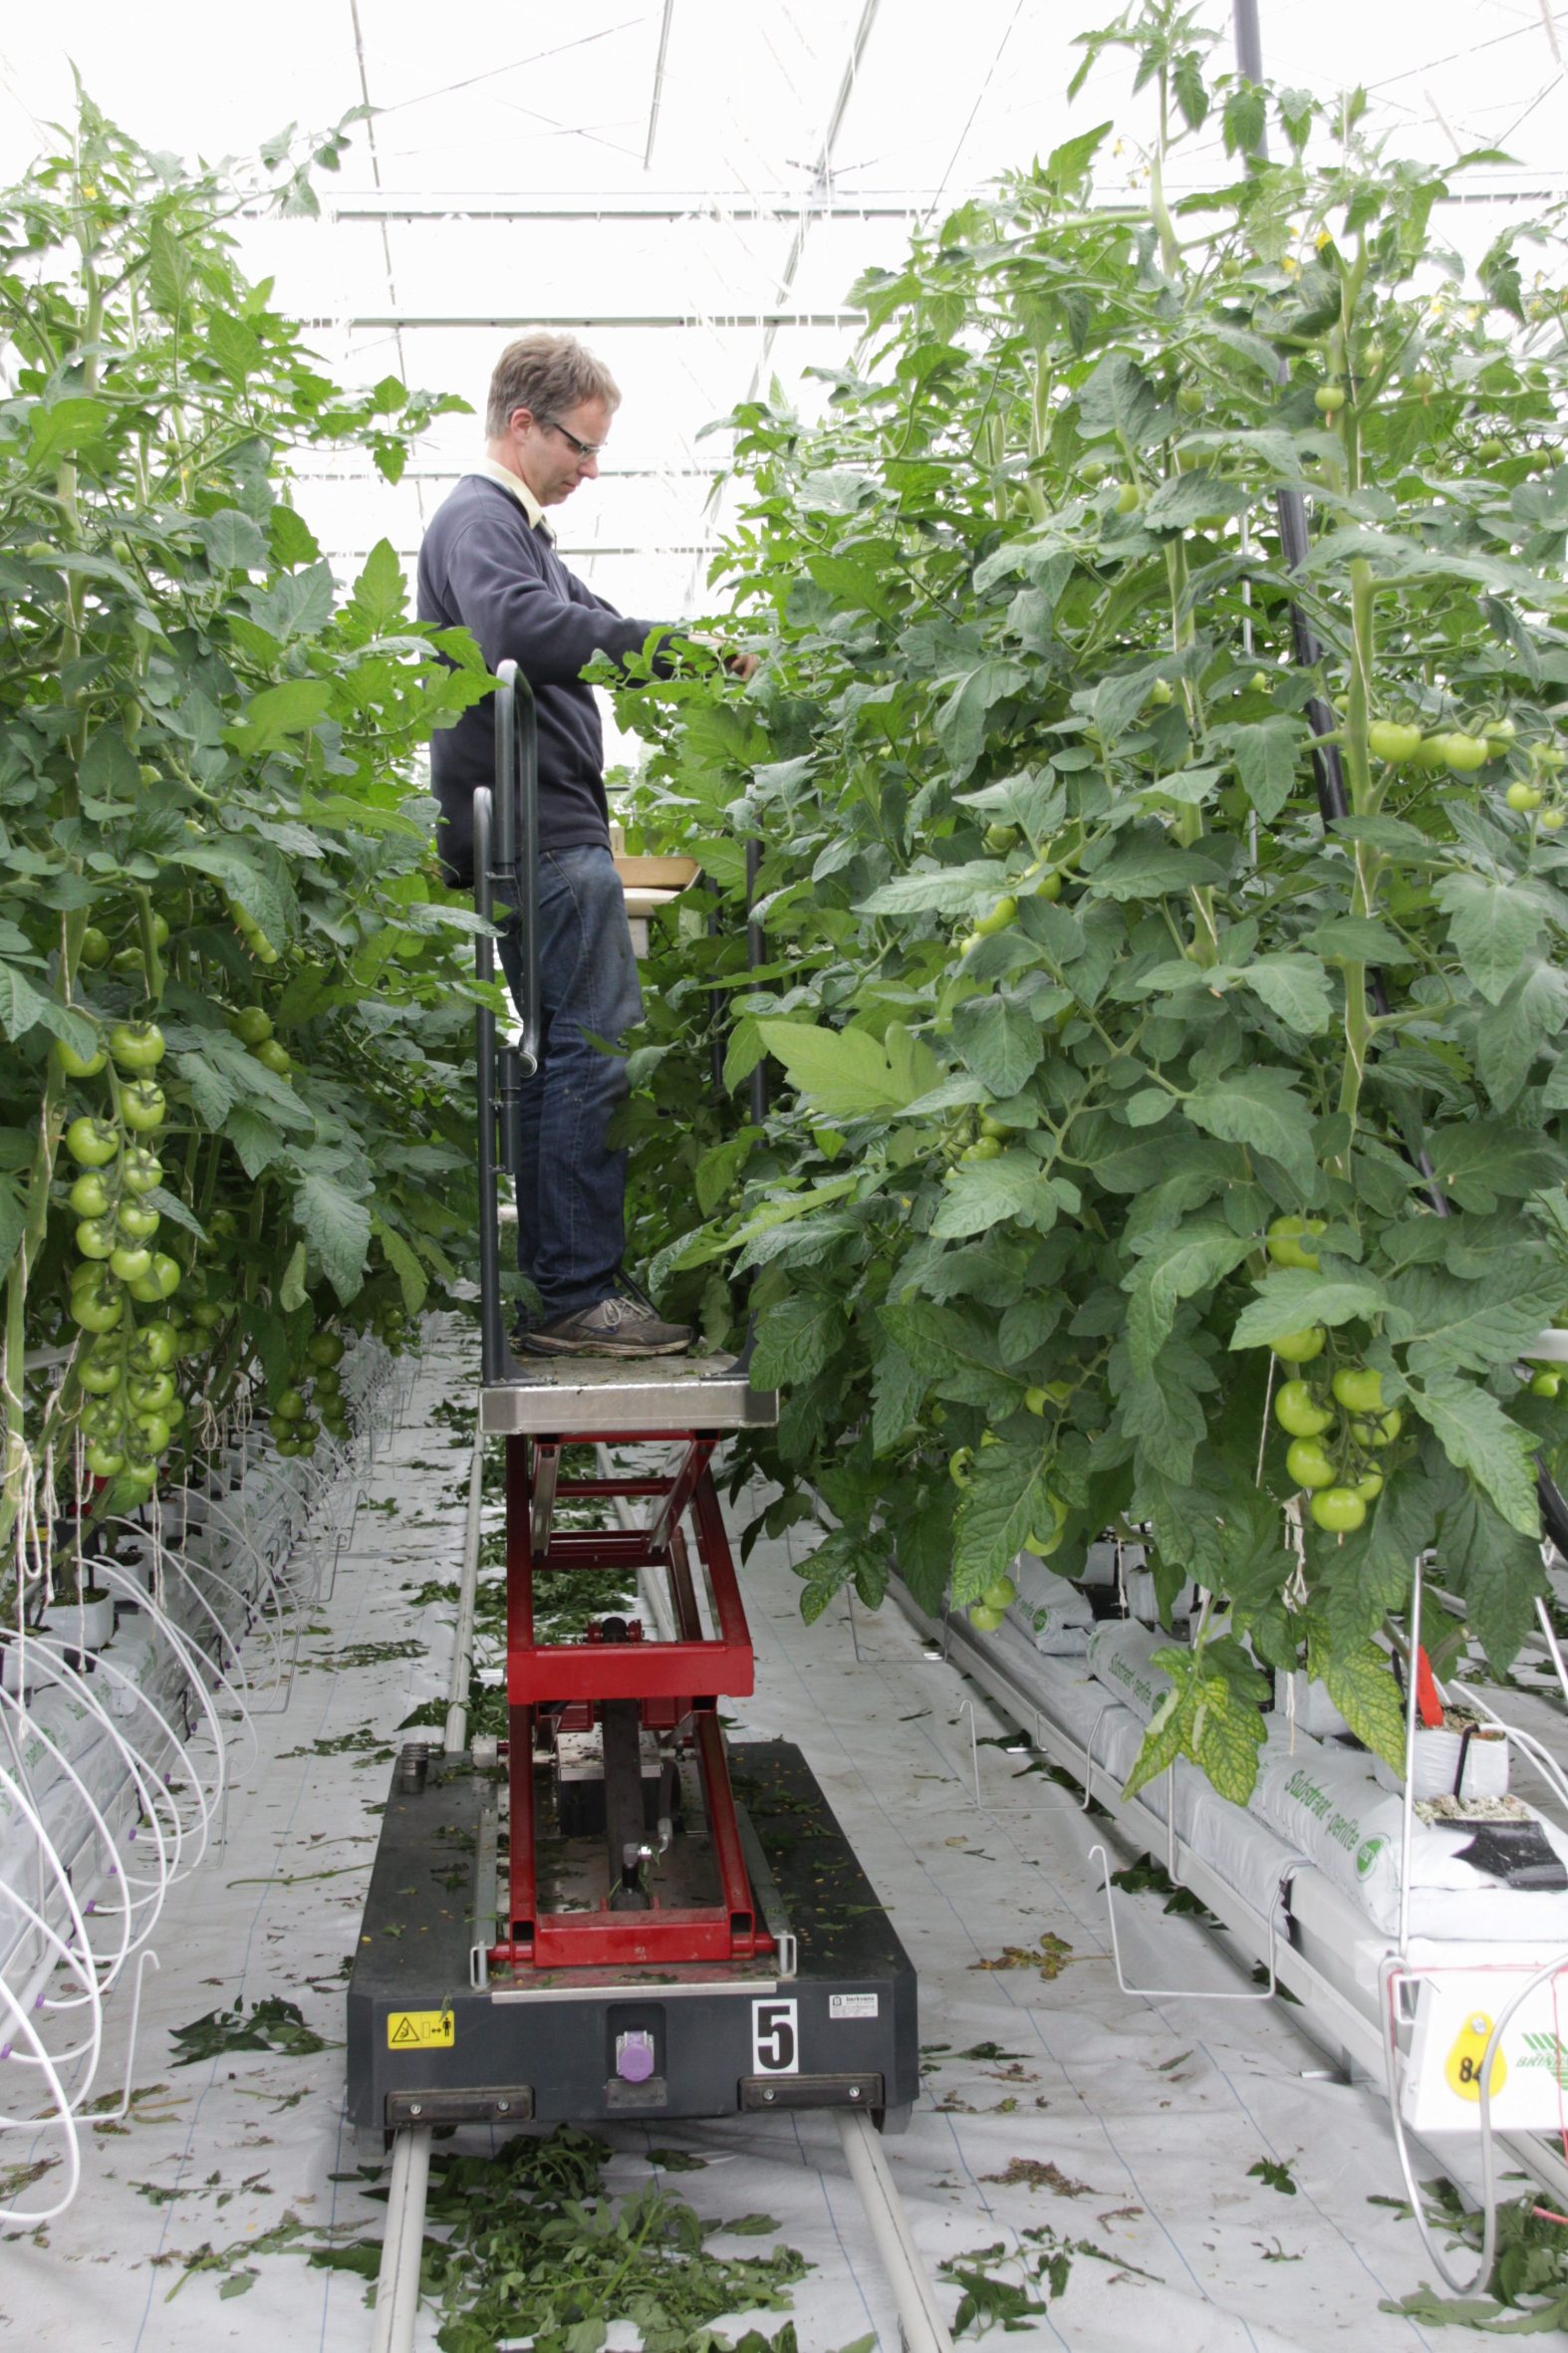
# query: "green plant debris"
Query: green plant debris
{"points": [[271, 2024], [1031, 2173], [1527, 2293], [342, 1744], [1275, 2174], [530, 2244], [677, 2161], [1146, 1877], [990, 2298], [1050, 1957], [369, 1653], [15, 2179]]}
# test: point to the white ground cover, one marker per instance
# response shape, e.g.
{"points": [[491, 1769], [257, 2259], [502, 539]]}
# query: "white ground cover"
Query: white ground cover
{"points": [[1052, 2101]]}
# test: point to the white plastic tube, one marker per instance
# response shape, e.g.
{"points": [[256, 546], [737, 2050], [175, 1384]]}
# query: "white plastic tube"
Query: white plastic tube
{"points": [[925, 2331], [398, 2287]]}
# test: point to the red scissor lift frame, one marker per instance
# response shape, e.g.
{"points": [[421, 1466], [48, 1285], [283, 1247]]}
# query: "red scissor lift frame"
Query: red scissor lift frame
{"points": [[672, 1681]]}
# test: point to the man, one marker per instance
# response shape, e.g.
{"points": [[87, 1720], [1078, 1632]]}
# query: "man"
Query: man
{"points": [[489, 562]]}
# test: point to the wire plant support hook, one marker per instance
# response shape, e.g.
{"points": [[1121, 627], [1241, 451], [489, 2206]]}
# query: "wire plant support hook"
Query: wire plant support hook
{"points": [[1176, 1993]]}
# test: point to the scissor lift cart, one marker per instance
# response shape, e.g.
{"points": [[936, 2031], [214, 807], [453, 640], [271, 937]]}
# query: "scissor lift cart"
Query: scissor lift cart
{"points": [[649, 1921]]}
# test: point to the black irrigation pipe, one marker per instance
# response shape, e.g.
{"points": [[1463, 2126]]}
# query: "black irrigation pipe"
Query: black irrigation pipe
{"points": [[1290, 508]]}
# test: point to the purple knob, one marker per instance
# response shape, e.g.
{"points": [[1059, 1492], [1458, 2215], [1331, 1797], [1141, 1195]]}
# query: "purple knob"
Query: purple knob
{"points": [[635, 2056]]}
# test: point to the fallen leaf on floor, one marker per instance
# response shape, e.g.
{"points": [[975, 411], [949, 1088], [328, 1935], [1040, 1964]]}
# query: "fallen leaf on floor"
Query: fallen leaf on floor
{"points": [[1033, 2172], [1050, 1957]]}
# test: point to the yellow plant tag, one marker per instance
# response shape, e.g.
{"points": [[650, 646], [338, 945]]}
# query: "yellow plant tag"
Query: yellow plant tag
{"points": [[1463, 2069]]}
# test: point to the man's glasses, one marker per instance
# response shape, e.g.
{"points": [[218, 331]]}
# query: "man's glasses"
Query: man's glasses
{"points": [[583, 448]]}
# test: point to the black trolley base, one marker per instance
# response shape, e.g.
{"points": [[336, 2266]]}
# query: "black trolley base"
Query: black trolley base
{"points": [[435, 2038]]}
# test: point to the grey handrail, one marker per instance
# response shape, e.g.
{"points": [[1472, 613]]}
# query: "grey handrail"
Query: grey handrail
{"points": [[506, 871]]}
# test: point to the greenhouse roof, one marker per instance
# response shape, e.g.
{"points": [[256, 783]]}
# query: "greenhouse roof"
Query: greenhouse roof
{"points": [[693, 188]]}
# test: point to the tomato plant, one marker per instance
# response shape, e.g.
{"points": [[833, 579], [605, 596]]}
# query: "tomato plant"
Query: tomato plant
{"points": [[213, 830], [1242, 1055]]}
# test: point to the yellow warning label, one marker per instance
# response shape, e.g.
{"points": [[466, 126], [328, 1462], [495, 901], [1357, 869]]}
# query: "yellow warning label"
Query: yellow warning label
{"points": [[1465, 2060], [420, 2030]]}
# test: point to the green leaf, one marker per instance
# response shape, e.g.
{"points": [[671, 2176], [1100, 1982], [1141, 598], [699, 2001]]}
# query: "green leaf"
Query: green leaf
{"points": [[1165, 1419], [13, 1221], [24, 1007], [1511, 1033], [59, 428], [1119, 399], [381, 594], [253, 1136], [1482, 1162], [1293, 1298], [961, 722], [1296, 987], [244, 880], [1494, 928], [1360, 1682], [794, 1339], [1000, 1040], [1266, 753], [983, 1193], [1007, 1502], [1476, 1434], [845, 1070], [235, 348], [1144, 865], [1449, 1325], [233, 541], [898, 1388], [1498, 1570], [412, 1280], [291, 1290], [338, 1228], [972, 889], [278, 712], [1178, 1263], [1259, 1108]]}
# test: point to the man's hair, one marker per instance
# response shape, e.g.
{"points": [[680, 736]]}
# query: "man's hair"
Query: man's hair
{"points": [[546, 374]]}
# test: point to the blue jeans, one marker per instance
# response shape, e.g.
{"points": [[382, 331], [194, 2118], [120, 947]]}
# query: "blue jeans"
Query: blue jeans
{"points": [[571, 1187]]}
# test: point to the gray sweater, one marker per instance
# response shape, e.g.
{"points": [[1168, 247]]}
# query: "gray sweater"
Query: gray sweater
{"points": [[483, 565]]}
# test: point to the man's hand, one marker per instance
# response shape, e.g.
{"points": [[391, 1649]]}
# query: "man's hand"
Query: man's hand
{"points": [[741, 665]]}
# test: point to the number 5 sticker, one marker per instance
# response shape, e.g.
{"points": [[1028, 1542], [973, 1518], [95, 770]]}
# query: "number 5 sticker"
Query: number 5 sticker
{"points": [[775, 2038]]}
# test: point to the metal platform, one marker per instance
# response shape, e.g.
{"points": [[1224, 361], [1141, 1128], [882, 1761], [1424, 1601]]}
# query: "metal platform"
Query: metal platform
{"points": [[651, 1397], [429, 2045]]}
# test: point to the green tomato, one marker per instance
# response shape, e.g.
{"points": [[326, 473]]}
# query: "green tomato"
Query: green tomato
{"points": [[958, 1470], [1553, 820], [1523, 797], [1338, 1510], [140, 1169], [289, 1406], [327, 1380], [1489, 450], [1390, 739], [1545, 1383], [1034, 1400], [1284, 1241], [206, 1314], [1500, 732], [1462, 751], [984, 1148], [95, 948], [1378, 1433], [89, 1196], [153, 1349], [1259, 682], [105, 1461], [80, 1066], [1049, 887], [136, 1046], [1005, 911], [130, 1261], [1308, 1465], [1329, 399], [138, 1221], [1297, 1410], [1190, 399], [150, 1392], [161, 1280], [1000, 1595], [1370, 1485], [287, 1445], [1043, 1546], [1161, 693], [998, 839], [103, 1416], [141, 1106], [998, 1128], [98, 1376], [96, 1237], [160, 923], [1358, 1389], [97, 1307], [93, 1144], [982, 1619], [1299, 1348], [155, 1433], [1127, 499]]}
